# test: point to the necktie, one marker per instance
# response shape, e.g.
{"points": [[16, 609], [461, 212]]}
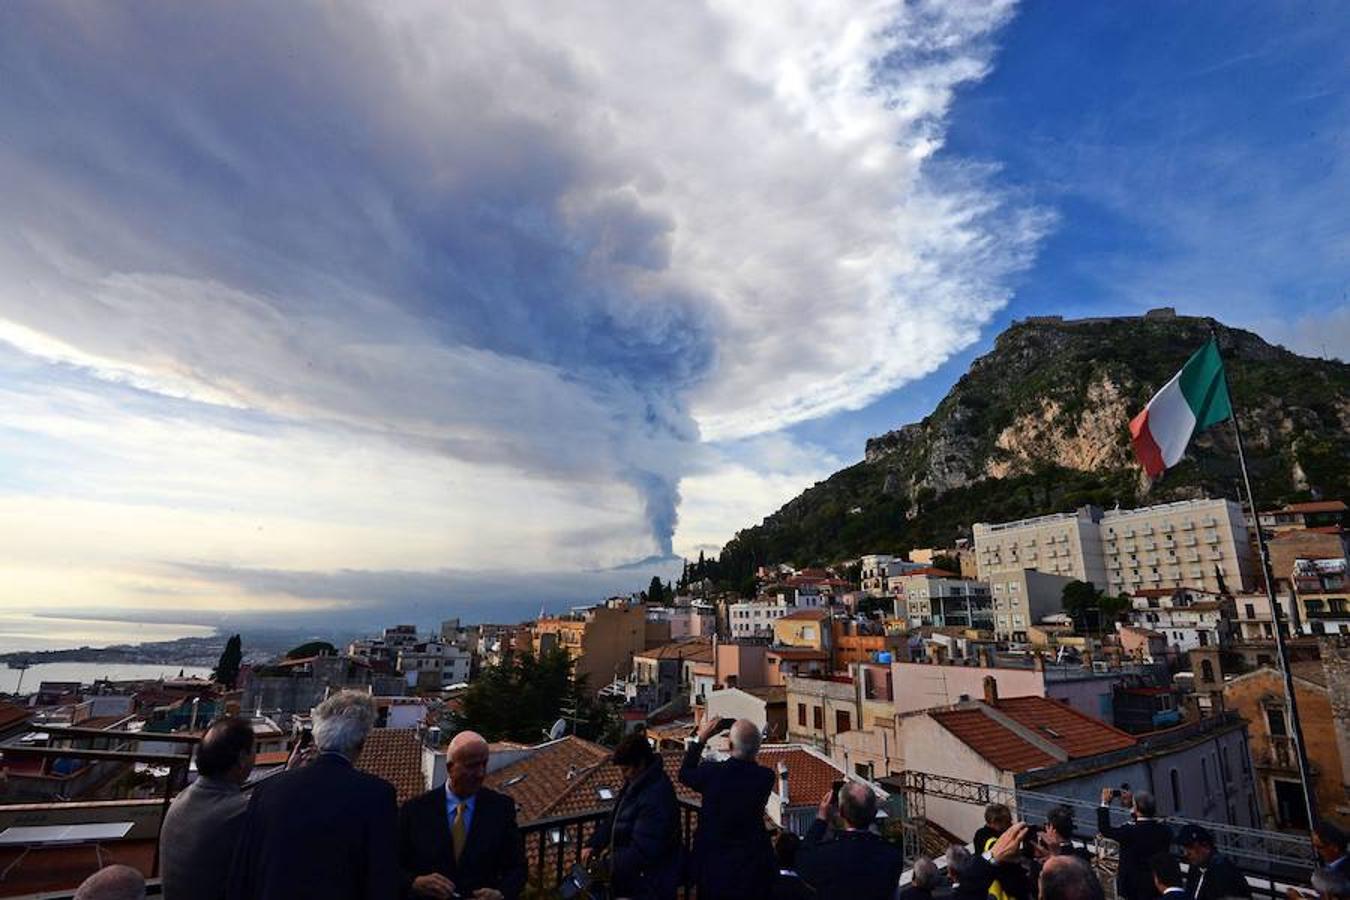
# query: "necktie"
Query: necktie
{"points": [[457, 832]]}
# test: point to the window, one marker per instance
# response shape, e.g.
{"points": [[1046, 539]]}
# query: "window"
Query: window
{"points": [[1251, 611], [1206, 675], [842, 721], [801, 714], [817, 718], [1275, 721]]}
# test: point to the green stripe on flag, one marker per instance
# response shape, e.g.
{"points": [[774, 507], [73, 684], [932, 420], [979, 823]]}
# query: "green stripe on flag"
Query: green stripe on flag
{"points": [[1205, 388]]}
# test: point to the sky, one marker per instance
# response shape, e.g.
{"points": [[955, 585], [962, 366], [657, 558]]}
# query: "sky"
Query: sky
{"points": [[348, 313]]}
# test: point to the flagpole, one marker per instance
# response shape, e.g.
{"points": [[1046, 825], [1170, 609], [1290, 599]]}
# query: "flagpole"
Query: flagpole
{"points": [[1291, 704]]}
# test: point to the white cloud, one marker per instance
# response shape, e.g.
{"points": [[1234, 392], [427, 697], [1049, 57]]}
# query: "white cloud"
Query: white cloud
{"points": [[484, 276]]}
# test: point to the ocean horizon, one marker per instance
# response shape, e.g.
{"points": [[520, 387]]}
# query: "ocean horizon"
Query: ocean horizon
{"points": [[34, 632]]}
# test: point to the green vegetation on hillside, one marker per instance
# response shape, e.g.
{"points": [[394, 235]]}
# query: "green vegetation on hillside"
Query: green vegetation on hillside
{"points": [[926, 484]]}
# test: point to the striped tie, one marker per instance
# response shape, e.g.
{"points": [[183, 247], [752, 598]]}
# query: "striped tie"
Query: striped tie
{"points": [[457, 832]]}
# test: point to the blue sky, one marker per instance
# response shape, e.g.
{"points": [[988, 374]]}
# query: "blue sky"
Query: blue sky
{"points": [[345, 311]]}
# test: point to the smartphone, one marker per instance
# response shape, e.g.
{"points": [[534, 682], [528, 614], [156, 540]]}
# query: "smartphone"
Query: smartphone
{"points": [[725, 724], [836, 786], [1115, 793], [1030, 838], [306, 738]]}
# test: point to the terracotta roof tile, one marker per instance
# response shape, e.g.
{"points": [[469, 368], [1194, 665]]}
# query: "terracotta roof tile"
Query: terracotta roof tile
{"points": [[11, 714], [588, 792], [395, 754], [697, 649], [796, 653], [1078, 734], [811, 614], [537, 781], [809, 776], [992, 740]]}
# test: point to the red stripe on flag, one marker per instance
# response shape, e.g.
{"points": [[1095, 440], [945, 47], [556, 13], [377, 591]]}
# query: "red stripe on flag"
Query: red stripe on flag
{"points": [[1145, 448]]}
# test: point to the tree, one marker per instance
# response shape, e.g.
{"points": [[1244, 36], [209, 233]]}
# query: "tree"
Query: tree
{"points": [[948, 563], [1080, 601], [311, 648], [520, 700], [226, 671], [656, 592]]}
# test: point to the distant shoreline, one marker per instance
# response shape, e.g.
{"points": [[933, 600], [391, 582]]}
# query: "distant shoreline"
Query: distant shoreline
{"points": [[191, 651]]}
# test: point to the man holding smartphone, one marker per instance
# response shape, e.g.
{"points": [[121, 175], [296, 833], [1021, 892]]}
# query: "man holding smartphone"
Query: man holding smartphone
{"points": [[733, 857]]}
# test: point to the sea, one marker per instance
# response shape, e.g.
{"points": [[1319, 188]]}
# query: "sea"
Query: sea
{"points": [[28, 631]]}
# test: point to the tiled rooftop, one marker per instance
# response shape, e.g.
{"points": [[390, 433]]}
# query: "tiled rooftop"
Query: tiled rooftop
{"points": [[810, 614], [1051, 721], [395, 754], [11, 714], [1003, 748], [596, 788], [537, 781], [809, 775], [697, 649]]}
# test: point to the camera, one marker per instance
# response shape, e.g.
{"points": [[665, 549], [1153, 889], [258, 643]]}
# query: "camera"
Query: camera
{"points": [[1031, 839]]}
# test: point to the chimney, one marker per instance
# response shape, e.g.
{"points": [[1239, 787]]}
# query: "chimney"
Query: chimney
{"points": [[991, 690]]}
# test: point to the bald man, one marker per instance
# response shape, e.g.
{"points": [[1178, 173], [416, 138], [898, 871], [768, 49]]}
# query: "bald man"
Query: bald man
{"points": [[461, 840], [733, 857], [113, 883]]}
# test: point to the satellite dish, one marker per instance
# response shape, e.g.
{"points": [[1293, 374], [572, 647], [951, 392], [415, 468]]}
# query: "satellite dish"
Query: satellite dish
{"points": [[558, 730]]}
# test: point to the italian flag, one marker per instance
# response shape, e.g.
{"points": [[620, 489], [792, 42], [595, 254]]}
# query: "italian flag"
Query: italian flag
{"points": [[1195, 399]]}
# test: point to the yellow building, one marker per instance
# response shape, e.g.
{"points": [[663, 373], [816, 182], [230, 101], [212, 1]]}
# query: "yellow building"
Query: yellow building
{"points": [[809, 628], [601, 641]]}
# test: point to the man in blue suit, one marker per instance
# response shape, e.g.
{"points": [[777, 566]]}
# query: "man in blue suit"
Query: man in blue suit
{"points": [[733, 857], [323, 831]]}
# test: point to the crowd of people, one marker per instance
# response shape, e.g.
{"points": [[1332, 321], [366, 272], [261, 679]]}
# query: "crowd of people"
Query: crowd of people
{"points": [[325, 829]]}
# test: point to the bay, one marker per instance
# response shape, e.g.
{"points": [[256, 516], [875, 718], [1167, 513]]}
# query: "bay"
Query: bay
{"points": [[86, 673]]}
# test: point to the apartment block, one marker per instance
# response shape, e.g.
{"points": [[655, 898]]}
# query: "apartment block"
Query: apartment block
{"points": [[601, 641], [939, 598], [1022, 598], [1189, 543]]}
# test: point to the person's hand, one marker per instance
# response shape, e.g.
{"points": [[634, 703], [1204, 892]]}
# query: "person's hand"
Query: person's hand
{"points": [[434, 885], [487, 894], [301, 756], [586, 855], [1106, 796], [1009, 843], [825, 811], [708, 729]]}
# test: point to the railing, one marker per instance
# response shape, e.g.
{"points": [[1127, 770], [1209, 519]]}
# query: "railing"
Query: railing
{"points": [[553, 846]]}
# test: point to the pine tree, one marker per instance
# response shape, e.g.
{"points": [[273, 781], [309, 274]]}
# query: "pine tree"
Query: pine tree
{"points": [[227, 667], [656, 594]]}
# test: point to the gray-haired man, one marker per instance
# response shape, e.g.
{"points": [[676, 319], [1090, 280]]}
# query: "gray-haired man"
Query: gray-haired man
{"points": [[323, 831], [732, 852]]}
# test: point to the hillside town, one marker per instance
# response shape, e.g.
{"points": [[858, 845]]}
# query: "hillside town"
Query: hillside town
{"points": [[1034, 663]]}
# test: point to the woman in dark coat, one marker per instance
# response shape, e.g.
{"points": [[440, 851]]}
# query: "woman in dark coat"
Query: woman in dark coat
{"points": [[642, 833]]}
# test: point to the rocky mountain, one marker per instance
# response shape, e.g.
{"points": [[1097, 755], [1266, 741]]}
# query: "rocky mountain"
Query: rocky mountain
{"points": [[1040, 424]]}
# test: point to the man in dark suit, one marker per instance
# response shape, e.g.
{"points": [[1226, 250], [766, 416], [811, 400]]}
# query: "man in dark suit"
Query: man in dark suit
{"points": [[1167, 877], [1065, 877], [1139, 839], [923, 880], [732, 855], [1329, 842], [462, 840], [322, 831], [1211, 876], [855, 863]]}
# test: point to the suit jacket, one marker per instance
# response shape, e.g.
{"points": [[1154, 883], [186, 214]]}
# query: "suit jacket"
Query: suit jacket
{"points": [[732, 853], [858, 865], [789, 887], [974, 885], [1138, 842], [1221, 878], [324, 831], [494, 852], [644, 829], [200, 832]]}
